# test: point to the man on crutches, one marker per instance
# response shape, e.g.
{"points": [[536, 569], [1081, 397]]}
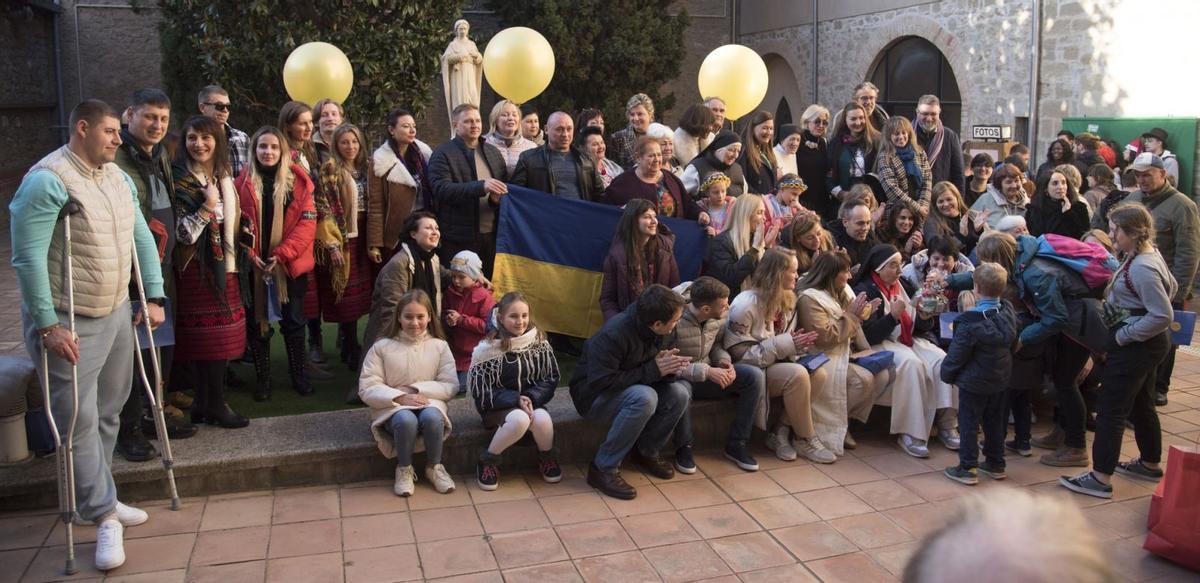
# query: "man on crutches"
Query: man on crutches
{"points": [[94, 365]]}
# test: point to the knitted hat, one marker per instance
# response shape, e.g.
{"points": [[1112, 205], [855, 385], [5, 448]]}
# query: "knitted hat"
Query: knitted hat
{"points": [[712, 179], [468, 264], [792, 182]]}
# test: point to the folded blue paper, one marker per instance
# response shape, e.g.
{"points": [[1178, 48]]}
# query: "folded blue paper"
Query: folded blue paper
{"points": [[876, 362], [947, 324], [813, 361], [164, 334], [1182, 328]]}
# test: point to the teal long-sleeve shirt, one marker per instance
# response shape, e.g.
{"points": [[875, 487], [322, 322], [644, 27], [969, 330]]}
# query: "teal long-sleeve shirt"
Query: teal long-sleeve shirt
{"points": [[35, 209]]}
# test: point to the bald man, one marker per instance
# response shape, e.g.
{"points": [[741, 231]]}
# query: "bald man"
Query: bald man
{"points": [[555, 167]]}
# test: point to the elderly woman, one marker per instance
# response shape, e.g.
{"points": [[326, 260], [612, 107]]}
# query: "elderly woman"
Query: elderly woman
{"points": [[830, 308], [721, 155], [592, 144], [1006, 196], [917, 395], [813, 160], [787, 143], [639, 110], [694, 132], [505, 121], [758, 155], [649, 181], [666, 139]]}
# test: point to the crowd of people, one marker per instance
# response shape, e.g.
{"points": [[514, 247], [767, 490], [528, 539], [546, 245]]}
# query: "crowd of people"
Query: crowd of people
{"points": [[836, 247]]}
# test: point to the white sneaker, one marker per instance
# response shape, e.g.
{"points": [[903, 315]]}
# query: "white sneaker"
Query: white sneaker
{"points": [[110, 544], [913, 446], [778, 442], [442, 482], [950, 438], [814, 450], [128, 515], [405, 477]]}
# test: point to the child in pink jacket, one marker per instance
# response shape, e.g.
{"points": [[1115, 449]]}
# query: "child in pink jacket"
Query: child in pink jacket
{"points": [[465, 310]]}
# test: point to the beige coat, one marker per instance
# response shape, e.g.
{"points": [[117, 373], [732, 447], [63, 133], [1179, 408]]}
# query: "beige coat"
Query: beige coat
{"points": [[402, 365], [391, 195], [390, 285]]}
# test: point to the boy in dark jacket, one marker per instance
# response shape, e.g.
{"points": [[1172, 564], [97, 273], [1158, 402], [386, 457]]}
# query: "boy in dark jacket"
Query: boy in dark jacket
{"points": [[623, 380], [979, 363]]}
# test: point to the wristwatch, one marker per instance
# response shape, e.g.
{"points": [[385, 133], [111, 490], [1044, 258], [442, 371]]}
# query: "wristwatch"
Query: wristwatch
{"points": [[44, 332]]}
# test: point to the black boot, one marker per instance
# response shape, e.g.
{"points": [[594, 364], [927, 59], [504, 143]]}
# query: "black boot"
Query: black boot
{"points": [[297, 359], [351, 348], [260, 352], [217, 412], [133, 445], [316, 344]]}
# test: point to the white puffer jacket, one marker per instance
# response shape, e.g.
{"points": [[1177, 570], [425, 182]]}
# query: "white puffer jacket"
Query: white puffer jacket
{"points": [[396, 366]]}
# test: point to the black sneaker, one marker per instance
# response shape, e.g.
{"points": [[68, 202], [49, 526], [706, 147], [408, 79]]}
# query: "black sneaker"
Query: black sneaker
{"points": [[1135, 468], [993, 472], [736, 452], [550, 471], [968, 476], [1022, 449], [1087, 484], [488, 476], [684, 462], [1160, 399]]}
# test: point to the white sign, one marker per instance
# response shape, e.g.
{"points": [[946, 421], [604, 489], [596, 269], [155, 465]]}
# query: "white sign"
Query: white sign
{"points": [[991, 132]]}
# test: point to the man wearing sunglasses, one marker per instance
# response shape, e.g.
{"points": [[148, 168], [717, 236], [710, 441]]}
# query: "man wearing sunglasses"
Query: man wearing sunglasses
{"points": [[214, 103]]}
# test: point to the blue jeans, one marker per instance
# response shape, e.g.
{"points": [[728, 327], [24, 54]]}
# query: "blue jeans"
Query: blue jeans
{"points": [[640, 415], [749, 387], [405, 425]]}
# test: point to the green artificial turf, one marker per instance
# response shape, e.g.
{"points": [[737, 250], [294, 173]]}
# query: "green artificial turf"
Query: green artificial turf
{"points": [[328, 396]]}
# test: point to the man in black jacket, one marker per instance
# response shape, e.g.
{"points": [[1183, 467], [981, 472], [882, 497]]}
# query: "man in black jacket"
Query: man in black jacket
{"points": [[556, 167], [467, 177], [852, 230], [940, 143], [622, 380]]}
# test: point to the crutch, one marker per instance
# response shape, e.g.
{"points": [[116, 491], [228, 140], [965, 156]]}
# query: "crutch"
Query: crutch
{"points": [[65, 457], [154, 391]]}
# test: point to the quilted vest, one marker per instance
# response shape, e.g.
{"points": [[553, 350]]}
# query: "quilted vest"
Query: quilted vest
{"points": [[101, 235]]}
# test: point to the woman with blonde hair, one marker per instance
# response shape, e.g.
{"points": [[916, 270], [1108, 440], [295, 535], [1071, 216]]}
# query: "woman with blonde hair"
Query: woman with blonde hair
{"points": [[950, 217], [904, 169], [763, 331], [734, 254], [813, 162], [505, 121]]}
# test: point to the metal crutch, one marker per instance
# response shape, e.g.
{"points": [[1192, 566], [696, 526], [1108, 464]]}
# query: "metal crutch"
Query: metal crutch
{"points": [[154, 391], [65, 453]]}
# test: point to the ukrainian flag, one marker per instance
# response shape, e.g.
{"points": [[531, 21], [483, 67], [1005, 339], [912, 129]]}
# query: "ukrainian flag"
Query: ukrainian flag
{"points": [[552, 250]]}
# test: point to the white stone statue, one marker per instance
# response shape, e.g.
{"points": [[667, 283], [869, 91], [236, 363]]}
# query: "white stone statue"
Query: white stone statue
{"points": [[462, 70]]}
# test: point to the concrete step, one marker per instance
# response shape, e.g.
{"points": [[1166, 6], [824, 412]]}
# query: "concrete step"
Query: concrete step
{"points": [[324, 448]]}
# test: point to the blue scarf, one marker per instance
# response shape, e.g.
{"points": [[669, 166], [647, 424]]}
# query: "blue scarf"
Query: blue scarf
{"points": [[909, 157], [985, 304]]}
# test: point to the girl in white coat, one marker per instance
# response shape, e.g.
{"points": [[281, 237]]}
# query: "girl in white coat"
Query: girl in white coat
{"points": [[407, 377]]}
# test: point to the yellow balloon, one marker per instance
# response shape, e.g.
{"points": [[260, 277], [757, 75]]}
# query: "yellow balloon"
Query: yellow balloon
{"points": [[518, 63], [737, 75], [317, 70]]}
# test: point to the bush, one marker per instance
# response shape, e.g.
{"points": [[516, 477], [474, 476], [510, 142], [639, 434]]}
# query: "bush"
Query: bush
{"points": [[393, 45], [604, 51]]}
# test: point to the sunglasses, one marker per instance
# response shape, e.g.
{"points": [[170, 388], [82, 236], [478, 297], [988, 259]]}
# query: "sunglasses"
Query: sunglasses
{"points": [[219, 106]]}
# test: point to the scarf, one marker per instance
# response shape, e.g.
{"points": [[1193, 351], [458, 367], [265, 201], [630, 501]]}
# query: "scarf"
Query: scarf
{"points": [[890, 293], [280, 192], [214, 251], [337, 221], [908, 155], [533, 356], [939, 136], [422, 269]]}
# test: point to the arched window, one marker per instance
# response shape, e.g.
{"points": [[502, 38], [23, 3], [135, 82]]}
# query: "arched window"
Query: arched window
{"points": [[912, 67], [783, 113]]}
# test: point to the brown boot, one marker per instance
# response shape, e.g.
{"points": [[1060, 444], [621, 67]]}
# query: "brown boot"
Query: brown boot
{"points": [[1067, 457], [1052, 440], [610, 484]]}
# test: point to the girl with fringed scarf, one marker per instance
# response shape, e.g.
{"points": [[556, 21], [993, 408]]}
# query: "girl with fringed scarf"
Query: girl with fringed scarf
{"points": [[512, 378], [276, 197], [210, 321], [904, 169], [916, 392], [343, 270]]}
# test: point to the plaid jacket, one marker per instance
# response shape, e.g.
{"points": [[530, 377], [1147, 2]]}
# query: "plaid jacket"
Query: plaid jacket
{"points": [[239, 149], [895, 183]]}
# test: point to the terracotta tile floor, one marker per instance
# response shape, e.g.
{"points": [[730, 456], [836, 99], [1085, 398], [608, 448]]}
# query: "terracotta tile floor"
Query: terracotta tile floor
{"points": [[858, 520]]}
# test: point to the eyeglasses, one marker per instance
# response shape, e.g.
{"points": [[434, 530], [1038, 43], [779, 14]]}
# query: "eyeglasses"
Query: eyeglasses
{"points": [[219, 106], [820, 122]]}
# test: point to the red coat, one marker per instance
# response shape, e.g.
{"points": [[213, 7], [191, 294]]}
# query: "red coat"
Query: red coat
{"points": [[295, 250], [475, 304]]}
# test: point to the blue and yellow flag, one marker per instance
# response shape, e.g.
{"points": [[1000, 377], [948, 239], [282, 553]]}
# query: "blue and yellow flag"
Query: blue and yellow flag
{"points": [[552, 250]]}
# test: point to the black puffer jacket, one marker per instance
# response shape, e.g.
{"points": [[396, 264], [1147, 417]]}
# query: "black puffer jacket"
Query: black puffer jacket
{"points": [[980, 358], [457, 188], [617, 357]]}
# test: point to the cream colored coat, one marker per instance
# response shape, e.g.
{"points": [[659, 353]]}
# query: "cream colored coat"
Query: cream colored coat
{"points": [[403, 365]]}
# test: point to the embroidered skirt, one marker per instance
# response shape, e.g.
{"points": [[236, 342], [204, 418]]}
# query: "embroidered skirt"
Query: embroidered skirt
{"points": [[356, 298], [206, 329]]}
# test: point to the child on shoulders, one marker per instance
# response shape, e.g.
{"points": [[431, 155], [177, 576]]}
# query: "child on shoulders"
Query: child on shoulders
{"points": [[466, 310]]}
